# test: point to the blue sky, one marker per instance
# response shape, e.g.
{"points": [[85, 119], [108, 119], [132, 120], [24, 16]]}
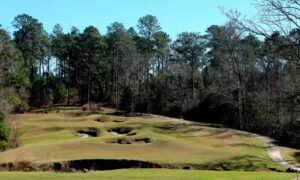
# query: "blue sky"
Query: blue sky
{"points": [[175, 16]]}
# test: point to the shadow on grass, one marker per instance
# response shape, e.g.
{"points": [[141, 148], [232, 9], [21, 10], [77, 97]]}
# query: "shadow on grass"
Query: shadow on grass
{"points": [[297, 156], [247, 163], [247, 145], [186, 128], [127, 114], [53, 129], [81, 113], [55, 109]]}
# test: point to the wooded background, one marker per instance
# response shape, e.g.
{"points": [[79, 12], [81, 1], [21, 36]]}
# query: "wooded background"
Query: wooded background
{"points": [[243, 74]]}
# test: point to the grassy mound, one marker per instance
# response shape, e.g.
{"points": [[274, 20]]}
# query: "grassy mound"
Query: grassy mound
{"points": [[172, 143]]}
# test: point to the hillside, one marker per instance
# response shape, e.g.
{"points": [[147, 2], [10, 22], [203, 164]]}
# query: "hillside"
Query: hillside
{"points": [[67, 137]]}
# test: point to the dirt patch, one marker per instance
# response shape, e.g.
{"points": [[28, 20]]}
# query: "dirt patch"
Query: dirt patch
{"points": [[131, 141], [109, 164], [131, 134], [145, 140], [122, 130], [118, 121], [93, 132], [100, 120]]}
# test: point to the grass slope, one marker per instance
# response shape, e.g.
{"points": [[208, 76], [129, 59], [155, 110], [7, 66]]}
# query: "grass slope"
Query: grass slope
{"points": [[291, 155], [151, 174], [52, 137]]}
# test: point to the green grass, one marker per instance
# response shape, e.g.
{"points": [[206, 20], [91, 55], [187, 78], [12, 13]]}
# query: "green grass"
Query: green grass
{"points": [[151, 174], [52, 137]]}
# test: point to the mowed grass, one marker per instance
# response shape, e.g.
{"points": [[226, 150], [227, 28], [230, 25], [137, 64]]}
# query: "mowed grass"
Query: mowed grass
{"points": [[152, 174], [52, 137]]}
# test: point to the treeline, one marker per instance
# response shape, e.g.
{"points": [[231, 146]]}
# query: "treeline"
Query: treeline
{"points": [[227, 75]]}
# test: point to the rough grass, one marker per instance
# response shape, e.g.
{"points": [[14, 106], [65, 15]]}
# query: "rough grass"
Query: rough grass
{"points": [[291, 155], [52, 137], [151, 174]]}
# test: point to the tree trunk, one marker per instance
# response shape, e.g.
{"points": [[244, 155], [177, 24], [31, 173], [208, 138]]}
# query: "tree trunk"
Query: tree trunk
{"points": [[89, 88], [69, 82]]}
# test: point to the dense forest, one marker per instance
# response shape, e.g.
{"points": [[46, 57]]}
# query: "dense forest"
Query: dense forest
{"points": [[242, 74]]}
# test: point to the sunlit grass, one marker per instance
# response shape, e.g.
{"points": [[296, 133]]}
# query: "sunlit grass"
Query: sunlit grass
{"points": [[52, 137], [291, 155], [152, 174]]}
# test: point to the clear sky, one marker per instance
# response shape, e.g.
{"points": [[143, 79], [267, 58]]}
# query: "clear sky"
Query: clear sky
{"points": [[175, 16]]}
